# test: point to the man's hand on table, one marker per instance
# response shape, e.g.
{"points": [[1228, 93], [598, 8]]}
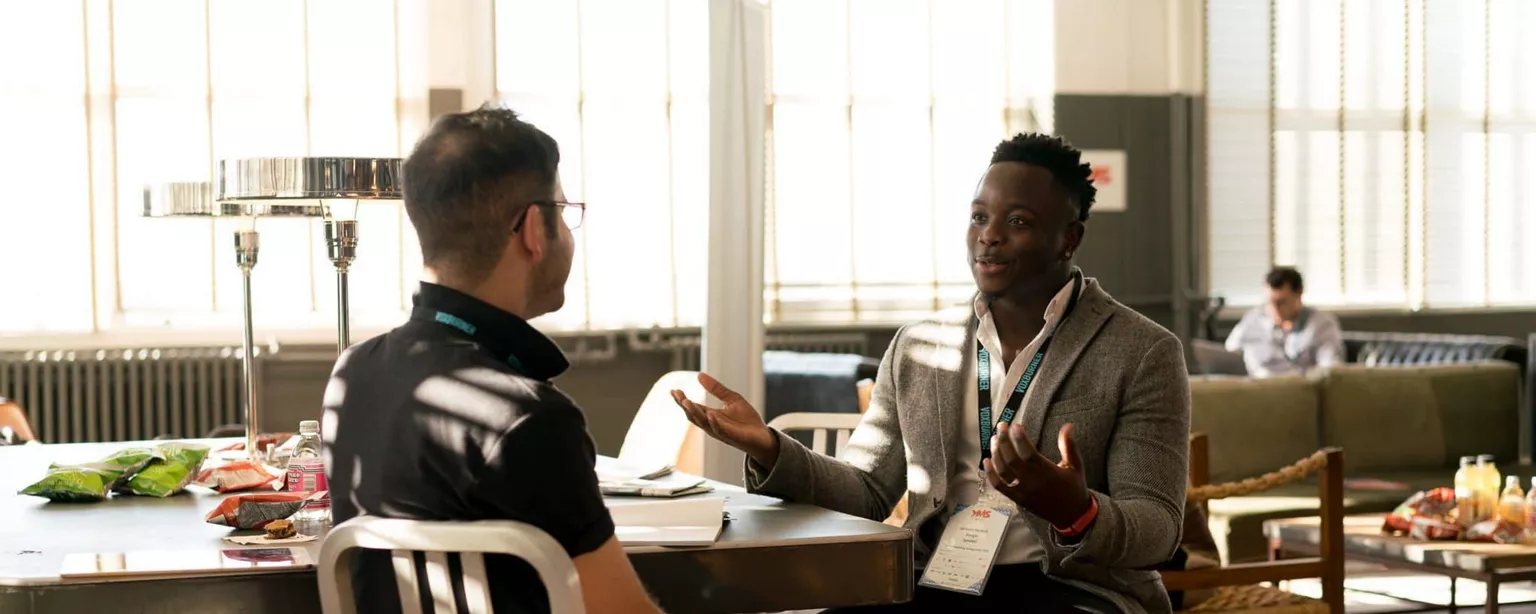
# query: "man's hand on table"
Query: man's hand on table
{"points": [[737, 423]]}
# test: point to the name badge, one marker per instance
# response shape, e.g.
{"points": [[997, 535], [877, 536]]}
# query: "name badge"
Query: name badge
{"points": [[963, 560]]}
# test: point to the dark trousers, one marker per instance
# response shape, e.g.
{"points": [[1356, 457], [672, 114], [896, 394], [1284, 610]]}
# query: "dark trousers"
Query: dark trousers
{"points": [[1011, 588]]}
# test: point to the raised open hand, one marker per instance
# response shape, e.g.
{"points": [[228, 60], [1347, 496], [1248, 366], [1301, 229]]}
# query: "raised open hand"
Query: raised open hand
{"points": [[1053, 491], [736, 423]]}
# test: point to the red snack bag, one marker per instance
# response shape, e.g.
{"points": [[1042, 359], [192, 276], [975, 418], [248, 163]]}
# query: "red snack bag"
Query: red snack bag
{"points": [[1428, 528], [255, 511], [1496, 530], [1436, 508], [236, 476]]}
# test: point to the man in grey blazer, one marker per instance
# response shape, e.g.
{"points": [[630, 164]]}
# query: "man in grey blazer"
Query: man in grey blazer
{"points": [[1092, 421]]}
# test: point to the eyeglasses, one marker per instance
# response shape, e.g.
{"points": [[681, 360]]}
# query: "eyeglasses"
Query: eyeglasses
{"points": [[573, 214]]}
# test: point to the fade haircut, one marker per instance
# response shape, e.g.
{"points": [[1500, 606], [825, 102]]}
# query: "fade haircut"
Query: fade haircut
{"points": [[468, 181], [1057, 156]]}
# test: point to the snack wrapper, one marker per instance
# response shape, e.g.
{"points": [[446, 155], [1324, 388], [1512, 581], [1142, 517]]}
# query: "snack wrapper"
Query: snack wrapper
{"points": [[130, 461], [178, 463], [1428, 515], [236, 476], [1496, 530], [75, 483], [255, 511]]}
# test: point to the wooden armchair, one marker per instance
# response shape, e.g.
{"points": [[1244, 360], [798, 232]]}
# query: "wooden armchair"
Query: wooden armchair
{"points": [[1238, 587]]}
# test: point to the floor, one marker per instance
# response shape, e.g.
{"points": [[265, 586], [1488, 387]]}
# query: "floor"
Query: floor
{"points": [[1372, 590]]}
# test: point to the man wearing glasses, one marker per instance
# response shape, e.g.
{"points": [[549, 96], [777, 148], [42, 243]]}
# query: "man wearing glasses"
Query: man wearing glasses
{"points": [[452, 416]]}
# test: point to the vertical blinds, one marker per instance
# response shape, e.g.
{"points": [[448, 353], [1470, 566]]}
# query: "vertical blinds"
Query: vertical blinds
{"points": [[1378, 145]]}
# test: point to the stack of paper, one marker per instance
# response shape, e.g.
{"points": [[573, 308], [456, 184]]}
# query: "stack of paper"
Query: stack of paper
{"points": [[618, 471], [674, 522], [654, 488]]}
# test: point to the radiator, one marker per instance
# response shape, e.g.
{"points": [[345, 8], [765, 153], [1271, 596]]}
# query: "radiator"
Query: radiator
{"points": [[686, 356], [126, 395]]}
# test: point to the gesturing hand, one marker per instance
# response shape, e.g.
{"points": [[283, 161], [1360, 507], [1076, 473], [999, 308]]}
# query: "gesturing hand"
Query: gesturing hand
{"points": [[1053, 491], [737, 423]]}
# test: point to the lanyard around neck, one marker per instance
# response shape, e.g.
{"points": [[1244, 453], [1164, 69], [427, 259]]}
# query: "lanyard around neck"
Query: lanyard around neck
{"points": [[469, 329], [1016, 399]]}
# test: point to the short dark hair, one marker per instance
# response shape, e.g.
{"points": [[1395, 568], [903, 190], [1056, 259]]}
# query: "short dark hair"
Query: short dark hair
{"points": [[469, 179], [1283, 276], [1056, 155]]}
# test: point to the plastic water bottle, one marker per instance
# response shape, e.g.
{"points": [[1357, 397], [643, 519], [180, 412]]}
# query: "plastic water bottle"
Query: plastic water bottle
{"points": [[306, 474]]}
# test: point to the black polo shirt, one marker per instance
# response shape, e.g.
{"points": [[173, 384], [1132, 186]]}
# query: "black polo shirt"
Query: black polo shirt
{"points": [[452, 417]]}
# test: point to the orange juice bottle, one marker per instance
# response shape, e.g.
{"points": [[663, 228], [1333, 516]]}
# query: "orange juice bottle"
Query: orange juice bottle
{"points": [[1530, 510], [1488, 486], [1466, 483], [1512, 502]]}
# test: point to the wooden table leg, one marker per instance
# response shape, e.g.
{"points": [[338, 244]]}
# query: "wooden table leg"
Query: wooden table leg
{"points": [[1452, 607], [1491, 606]]}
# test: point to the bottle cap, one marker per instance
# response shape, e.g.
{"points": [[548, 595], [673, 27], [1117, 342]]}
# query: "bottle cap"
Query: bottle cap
{"points": [[1488, 458], [1467, 460], [309, 426]]}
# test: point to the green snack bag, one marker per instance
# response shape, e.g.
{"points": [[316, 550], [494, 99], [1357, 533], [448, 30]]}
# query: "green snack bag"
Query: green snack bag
{"points": [[176, 465], [130, 461], [75, 483]]}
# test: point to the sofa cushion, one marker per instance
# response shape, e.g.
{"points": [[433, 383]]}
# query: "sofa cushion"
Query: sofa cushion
{"points": [[1255, 425], [1385, 419], [1479, 409]]}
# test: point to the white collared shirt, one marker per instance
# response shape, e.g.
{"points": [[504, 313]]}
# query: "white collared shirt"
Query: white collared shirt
{"points": [[1020, 544]]}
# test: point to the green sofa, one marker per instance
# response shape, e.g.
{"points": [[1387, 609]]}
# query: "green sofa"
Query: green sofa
{"points": [[1402, 430]]}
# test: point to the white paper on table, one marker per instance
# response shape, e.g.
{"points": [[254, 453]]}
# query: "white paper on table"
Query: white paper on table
{"points": [[641, 521], [615, 471], [263, 540]]}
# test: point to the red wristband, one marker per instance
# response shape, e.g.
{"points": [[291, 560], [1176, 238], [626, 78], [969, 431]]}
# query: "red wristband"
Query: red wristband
{"points": [[1083, 521]]}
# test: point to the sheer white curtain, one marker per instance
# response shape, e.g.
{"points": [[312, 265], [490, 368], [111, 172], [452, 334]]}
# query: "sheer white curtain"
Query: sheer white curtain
{"points": [[883, 116], [183, 83], [1378, 145]]}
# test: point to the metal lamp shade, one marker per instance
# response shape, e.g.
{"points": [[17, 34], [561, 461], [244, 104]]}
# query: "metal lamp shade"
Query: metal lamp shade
{"points": [[195, 199], [257, 181]]}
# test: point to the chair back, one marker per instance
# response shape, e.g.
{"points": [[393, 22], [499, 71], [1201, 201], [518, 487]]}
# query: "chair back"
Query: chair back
{"points": [[436, 540], [840, 426], [660, 434]]}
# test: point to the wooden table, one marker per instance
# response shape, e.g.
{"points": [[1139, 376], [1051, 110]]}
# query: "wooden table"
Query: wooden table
{"points": [[772, 556], [1493, 564]]}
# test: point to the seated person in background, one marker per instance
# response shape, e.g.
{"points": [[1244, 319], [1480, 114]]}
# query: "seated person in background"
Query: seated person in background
{"points": [[452, 415], [1283, 336], [1081, 490]]}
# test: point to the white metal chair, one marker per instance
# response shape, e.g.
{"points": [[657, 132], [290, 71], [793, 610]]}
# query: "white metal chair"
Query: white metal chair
{"points": [[820, 426], [471, 540]]}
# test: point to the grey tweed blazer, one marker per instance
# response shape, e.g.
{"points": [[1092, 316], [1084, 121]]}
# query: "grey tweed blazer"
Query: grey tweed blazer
{"points": [[1118, 377]]}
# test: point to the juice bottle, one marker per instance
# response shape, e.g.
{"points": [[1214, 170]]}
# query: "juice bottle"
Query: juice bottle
{"points": [[1512, 502], [1530, 510], [1466, 482], [1488, 485]]}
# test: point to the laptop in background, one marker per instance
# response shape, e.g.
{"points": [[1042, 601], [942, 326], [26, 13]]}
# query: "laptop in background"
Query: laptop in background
{"points": [[1212, 358]]}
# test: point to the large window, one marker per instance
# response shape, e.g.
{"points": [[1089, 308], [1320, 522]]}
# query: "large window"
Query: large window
{"points": [[1390, 141], [623, 86], [115, 96], [884, 114]]}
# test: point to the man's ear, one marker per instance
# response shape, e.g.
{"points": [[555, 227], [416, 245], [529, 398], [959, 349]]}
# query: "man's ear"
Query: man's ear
{"points": [[533, 234], [1075, 231]]}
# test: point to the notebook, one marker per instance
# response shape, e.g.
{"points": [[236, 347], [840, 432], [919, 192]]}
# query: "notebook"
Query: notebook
{"points": [[654, 488], [695, 521]]}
